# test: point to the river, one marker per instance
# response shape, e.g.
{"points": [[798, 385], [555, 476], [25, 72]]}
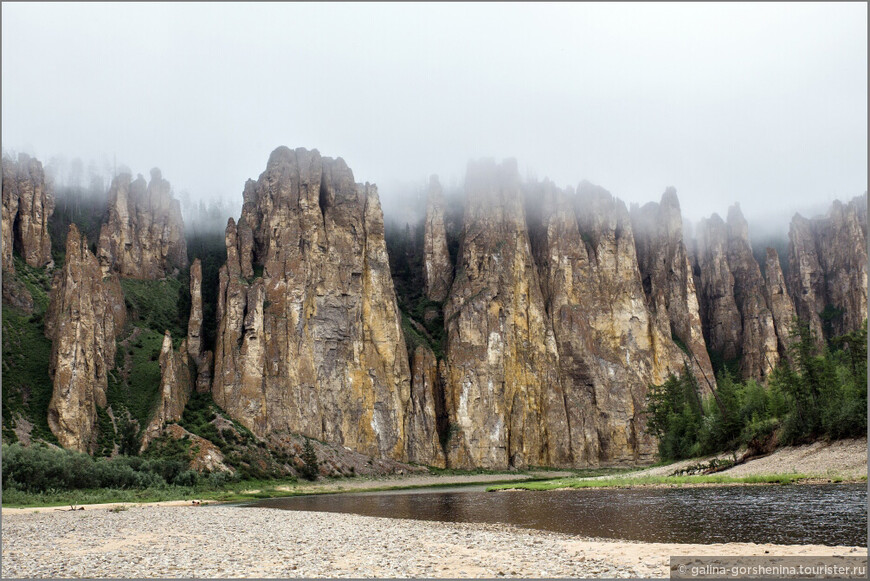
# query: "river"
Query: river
{"points": [[825, 514]]}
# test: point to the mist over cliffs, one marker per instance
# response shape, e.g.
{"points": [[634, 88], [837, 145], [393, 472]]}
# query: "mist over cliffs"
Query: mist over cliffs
{"points": [[518, 324]]}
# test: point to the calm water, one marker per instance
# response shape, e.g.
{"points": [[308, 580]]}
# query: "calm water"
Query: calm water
{"points": [[833, 514]]}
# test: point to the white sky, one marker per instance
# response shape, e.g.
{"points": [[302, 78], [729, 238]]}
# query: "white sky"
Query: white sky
{"points": [[765, 105]]}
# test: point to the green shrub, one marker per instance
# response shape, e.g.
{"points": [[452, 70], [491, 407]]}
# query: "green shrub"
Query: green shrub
{"points": [[309, 458]]}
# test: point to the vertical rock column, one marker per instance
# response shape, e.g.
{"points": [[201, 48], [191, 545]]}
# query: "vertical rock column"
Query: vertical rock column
{"points": [[668, 282], [27, 206], [502, 387], [437, 268], [84, 313], [314, 345]]}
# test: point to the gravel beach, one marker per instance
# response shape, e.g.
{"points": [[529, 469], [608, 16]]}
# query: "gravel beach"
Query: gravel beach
{"points": [[231, 541]]}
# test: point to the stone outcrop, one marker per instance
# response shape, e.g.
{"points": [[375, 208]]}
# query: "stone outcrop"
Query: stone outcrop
{"points": [[84, 313], [610, 348], [668, 283], [426, 397], [175, 388], [314, 345], [828, 268], [202, 360], [735, 314], [28, 203], [759, 350], [502, 389], [437, 268], [144, 234], [779, 300]]}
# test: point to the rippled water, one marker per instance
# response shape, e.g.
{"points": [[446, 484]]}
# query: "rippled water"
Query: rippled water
{"points": [[832, 514]]}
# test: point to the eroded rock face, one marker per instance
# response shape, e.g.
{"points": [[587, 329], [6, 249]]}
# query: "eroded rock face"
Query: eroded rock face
{"points": [[828, 268], [28, 203], [723, 328], [610, 347], [781, 305], [759, 350], [502, 387], [314, 345], [175, 388], [84, 313], [666, 273], [144, 235], [425, 390], [194, 323], [437, 268]]}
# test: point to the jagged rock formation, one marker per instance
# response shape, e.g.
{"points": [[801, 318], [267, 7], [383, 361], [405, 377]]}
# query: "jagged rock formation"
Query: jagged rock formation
{"points": [[610, 348], [27, 206], [668, 282], [422, 415], [779, 301], [437, 268], [83, 315], [314, 345], [203, 360], [175, 388], [759, 352], [502, 387], [144, 235], [828, 268], [737, 321]]}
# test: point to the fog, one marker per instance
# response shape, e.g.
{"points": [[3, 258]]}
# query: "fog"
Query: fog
{"points": [[765, 105]]}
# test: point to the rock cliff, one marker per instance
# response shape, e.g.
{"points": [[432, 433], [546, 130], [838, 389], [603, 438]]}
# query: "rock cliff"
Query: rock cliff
{"points": [[426, 399], [610, 347], [84, 313], [668, 283], [779, 301], [736, 316], [27, 206], [144, 234], [828, 268], [314, 344], [175, 388], [437, 268], [502, 387]]}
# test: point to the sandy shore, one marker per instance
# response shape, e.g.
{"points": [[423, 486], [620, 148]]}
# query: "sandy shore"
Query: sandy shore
{"points": [[846, 459], [229, 541]]}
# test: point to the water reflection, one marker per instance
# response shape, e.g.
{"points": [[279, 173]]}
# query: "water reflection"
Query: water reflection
{"points": [[806, 514]]}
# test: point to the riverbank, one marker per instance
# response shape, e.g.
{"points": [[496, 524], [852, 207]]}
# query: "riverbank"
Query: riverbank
{"points": [[252, 491], [230, 541], [819, 462]]}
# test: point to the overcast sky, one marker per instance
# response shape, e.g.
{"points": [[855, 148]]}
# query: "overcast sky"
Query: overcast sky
{"points": [[761, 104]]}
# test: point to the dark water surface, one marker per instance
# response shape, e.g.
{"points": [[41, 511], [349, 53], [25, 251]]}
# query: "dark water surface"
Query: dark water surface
{"points": [[824, 514]]}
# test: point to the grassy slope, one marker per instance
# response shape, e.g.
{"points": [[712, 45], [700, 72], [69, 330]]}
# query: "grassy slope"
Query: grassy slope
{"points": [[26, 352]]}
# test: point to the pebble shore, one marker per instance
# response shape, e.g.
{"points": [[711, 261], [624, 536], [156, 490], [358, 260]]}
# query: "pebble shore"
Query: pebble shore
{"points": [[232, 541]]}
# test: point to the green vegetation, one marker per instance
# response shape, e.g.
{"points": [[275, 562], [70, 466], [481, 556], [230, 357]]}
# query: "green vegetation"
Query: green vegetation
{"points": [[27, 386], [814, 393], [134, 383], [210, 248], [158, 305], [309, 459]]}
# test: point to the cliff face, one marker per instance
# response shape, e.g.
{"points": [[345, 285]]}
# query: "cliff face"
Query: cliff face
{"points": [[828, 268], [502, 387], [666, 273], [84, 313], [759, 349], [144, 235], [175, 388], [735, 312], [422, 414], [781, 305], [314, 345], [27, 206], [437, 268], [610, 347]]}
